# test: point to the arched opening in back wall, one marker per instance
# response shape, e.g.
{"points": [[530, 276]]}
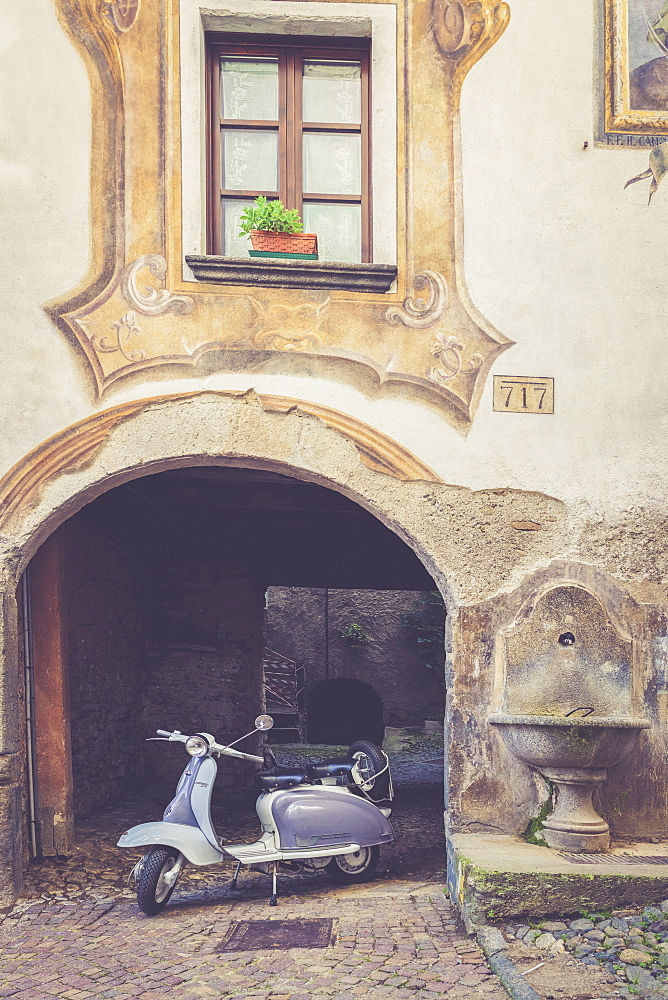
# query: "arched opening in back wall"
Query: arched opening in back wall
{"points": [[194, 598]]}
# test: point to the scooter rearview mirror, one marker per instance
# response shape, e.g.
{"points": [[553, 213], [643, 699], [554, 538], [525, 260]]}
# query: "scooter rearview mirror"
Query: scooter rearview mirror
{"points": [[264, 722]]}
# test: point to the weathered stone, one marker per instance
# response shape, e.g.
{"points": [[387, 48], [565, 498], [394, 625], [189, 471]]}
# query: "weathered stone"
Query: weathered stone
{"points": [[594, 935], [614, 942], [634, 956], [545, 941], [583, 950], [554, 925], [581, 925]]}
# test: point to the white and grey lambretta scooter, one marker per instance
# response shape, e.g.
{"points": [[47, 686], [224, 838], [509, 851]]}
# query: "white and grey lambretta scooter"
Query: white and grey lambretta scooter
{"points": [[331, 815]]}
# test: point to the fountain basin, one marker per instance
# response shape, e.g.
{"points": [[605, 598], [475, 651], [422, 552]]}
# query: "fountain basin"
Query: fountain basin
{"points": [[555, 741], [573, 753]]}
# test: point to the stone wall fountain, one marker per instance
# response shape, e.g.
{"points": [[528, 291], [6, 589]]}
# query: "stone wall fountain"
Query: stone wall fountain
{"points": [[567, 703]]}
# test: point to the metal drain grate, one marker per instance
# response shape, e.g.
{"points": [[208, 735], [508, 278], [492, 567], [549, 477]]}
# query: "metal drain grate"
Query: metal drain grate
{"points": [[616, 859], [261, 935]]}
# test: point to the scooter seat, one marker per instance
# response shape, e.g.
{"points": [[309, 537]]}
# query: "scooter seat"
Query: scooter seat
{"points": [[281, 777], [332, 768]]}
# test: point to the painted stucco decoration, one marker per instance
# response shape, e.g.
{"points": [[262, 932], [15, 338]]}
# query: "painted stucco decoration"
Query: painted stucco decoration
{"points": [[150, 301], [139, 308], [75, 446], [417, 312], [122, 12], [124, 329], [449, 352], [468, 27], [290, 327]]}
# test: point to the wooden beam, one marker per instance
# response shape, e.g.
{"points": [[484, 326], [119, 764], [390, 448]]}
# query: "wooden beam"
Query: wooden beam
{"points": [[55, 795]]}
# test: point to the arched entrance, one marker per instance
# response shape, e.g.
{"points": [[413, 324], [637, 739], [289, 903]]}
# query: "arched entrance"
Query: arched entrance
{"points": [[160, 438], [158, 623]]}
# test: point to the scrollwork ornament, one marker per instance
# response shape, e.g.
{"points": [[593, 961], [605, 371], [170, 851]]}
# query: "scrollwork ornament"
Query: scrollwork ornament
{"points": [[467, 28], [125, 328], [123, 13], [449, 350], [420, 312], [151, 301]]}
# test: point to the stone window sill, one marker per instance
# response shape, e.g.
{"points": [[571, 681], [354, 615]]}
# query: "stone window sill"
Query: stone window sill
{"points": [[293, 273]]}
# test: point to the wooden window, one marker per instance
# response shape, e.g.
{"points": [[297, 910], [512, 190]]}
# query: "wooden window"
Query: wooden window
{"points": [[290, 120]]}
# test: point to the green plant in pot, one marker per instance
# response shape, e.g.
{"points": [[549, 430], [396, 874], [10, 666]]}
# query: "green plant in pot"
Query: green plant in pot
{"points": [[273, 228]]}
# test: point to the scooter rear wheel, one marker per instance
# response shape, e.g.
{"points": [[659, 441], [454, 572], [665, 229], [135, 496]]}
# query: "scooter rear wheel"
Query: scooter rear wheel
{"points": [[153, 888], [370, 762], [358, 867]]}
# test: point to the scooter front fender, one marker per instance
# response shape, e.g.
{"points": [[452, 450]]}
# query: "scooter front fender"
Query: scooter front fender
{"points": [[189, 840]]}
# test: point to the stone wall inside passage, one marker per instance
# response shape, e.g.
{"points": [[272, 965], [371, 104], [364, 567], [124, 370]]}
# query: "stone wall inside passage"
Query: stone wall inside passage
{"points": [[372, 636]]}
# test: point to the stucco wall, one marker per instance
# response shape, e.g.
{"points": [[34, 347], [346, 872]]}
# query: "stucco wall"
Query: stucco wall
{"points": [[558, 256]]}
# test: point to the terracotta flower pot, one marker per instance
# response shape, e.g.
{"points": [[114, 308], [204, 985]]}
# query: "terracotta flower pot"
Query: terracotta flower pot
{"points": [[284, 242]]}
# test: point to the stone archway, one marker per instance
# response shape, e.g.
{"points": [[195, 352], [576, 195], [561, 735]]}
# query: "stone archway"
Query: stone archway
{"points": [[441, 523]]}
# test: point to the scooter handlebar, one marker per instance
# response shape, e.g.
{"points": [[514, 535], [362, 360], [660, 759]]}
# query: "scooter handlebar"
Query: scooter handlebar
{"points": [[229, 752], [177, 737]]}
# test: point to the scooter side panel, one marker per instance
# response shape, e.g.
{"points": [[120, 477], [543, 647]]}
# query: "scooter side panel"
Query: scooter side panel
{"points": [[310, 817], [180, 809], [187, 839], [200, 798]]}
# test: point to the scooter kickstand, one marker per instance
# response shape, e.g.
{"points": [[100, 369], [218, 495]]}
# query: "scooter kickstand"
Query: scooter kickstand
{"points": [[272, 901], [233, 883]]}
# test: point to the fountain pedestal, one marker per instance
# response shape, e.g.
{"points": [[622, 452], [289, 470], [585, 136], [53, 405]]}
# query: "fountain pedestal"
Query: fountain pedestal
{"points": [[575, 825]]}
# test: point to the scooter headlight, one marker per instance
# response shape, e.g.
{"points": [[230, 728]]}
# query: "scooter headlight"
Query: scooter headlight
{"points": [[197, 746]]}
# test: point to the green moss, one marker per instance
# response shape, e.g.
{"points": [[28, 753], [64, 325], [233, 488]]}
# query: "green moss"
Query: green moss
{"points": [[531, 834]]}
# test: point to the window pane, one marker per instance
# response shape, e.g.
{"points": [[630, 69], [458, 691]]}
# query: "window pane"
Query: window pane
{"points": [[249, 89], [332, 91], [332, 163], [250, 160], [339, 229], [233, 244]]}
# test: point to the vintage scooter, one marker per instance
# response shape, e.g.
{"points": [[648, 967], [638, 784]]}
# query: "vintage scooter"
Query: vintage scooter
{"points": [[331, 815]]}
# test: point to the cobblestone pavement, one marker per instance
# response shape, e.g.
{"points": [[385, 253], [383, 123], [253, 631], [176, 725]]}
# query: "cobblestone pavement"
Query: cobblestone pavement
{"points": [[78, 933], [392, 941]]}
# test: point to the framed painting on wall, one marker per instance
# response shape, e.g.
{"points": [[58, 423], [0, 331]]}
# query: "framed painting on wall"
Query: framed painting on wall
{"points": [[636, 68]]}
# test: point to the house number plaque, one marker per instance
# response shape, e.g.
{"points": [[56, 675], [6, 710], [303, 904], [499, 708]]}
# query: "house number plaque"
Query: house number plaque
{"points": [[521, 394]]}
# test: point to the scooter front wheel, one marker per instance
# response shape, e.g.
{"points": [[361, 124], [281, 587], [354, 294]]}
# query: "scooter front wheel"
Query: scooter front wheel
{"points": [[357, 867], [156, 878]]}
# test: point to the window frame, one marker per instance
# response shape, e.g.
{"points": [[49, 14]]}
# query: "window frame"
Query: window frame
{"points": [[290, 50]]}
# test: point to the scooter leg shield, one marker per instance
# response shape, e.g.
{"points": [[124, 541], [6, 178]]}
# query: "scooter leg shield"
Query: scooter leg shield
{"points": [[189, 840]]}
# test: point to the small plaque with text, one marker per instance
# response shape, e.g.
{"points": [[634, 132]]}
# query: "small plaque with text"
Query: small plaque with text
{"points": [[521, 394]]}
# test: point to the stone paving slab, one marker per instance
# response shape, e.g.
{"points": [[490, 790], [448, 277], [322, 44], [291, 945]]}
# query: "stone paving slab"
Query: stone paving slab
{"points": [[393, 941]]}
